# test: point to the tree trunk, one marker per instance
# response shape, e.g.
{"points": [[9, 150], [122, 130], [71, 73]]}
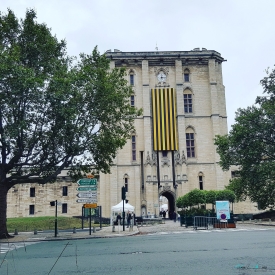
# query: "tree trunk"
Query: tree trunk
{"points": [[3, 212]]}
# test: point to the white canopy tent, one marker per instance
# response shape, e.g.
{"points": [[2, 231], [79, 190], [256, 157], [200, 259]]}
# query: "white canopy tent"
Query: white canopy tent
{"points": [[119, 208], [163, 207]]}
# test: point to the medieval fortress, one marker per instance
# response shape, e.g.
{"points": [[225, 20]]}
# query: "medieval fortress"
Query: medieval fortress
{"points": [[172, 150]]}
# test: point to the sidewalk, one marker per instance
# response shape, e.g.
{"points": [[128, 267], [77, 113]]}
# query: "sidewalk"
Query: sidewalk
{"points": [[110, 232]]}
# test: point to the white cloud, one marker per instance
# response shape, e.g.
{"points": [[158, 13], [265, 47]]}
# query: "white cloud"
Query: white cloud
{"points": [[242, 31]]}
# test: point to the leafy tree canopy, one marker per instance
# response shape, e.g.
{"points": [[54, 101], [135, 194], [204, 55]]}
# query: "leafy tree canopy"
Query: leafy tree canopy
{"points": [[197, 197], [56, 111], [250, 146]]}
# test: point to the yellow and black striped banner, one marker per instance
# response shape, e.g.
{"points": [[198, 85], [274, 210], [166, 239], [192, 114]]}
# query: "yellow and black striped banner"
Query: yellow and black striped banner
{"points": [[164, 119]]}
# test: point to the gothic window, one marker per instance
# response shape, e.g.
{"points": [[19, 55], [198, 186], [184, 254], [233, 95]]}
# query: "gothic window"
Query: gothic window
{"points": [[134, 152], [186, 75], [188, 101], [132, 101], [201, 181], [126, 181], [132, 78], [190, 143]]}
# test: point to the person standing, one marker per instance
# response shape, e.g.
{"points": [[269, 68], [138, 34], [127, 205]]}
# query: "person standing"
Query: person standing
{"points": [[118, 219], [129, 217], [175, 216]]}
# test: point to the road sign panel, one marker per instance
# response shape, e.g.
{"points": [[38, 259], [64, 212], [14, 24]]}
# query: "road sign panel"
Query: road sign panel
{"points": [[87, 182], [92, 194], [90, 205], [86, 188], [87, 200]]}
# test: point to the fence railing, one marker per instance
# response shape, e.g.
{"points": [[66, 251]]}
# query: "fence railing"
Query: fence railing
{"points": [[203, 222]]}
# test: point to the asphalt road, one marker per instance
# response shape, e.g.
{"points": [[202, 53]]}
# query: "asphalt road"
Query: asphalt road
{"points": [[193, 252]]}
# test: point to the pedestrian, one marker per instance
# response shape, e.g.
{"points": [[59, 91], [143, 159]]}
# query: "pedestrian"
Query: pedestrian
{"points": [[118, 219], [175, 216], [164, 214], [129, 217]]}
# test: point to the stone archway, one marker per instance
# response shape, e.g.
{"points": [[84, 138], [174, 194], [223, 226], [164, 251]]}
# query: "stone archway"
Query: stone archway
{"points": [[171, 202]]}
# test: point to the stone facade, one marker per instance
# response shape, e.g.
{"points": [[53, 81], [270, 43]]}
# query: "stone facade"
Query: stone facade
{"points": [[197, 73], [199, 93]]}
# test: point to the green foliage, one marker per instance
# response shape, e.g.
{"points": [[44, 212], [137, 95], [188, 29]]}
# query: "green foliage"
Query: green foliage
{"points": [[197, 197], [56, 111], [250, 146]]}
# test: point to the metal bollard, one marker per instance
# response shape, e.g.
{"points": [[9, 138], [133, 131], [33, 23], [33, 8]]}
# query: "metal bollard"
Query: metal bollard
{"points": [[94, 229], [74, 230], [269, 221], [15, 232]]}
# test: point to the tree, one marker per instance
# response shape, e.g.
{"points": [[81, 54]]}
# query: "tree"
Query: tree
{"points": [[55, 111], [250, 145]]}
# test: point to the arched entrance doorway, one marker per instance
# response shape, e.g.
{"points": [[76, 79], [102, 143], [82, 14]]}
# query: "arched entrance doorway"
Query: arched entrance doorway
{"points": [[170, 196]]}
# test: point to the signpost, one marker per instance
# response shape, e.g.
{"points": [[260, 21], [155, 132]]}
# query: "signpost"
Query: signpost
{"points": [[92, 194], [87, 195], [86, 188], [87, 182], [87, 200], [90, 205]]}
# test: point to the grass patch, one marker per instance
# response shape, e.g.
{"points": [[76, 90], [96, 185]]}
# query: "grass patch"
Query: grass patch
{"points": [[45, 223]]}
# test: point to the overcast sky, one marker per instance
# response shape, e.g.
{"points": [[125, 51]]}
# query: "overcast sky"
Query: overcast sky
{"points": [[243, 31]]}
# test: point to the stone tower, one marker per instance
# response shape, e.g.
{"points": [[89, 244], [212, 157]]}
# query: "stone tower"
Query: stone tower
{"points": [[172, 151]]}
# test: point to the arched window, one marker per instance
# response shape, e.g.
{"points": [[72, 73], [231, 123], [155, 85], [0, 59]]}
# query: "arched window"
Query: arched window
{"points": [[186, 75], [126, 182], [188, 101], [132, 77], [201, 180], [132, 101], [190, 142], [134, 152]]}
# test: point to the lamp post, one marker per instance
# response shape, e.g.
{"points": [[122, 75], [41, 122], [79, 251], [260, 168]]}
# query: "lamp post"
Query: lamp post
{"points": [[55, 222], [54, 203], [123, 196]]}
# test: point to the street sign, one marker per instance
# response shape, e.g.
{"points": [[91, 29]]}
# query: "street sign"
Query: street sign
{"points": [[87, 182], [92, 194], [90, 205], [90, 176], [86, 188], [87, 200]]}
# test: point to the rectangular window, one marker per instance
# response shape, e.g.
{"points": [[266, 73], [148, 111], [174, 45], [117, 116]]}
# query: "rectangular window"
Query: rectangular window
{"points": [[32, 192], [190, 145], [187, 103], [235, 174], [134, 157], [64, 207], [126, 184], [186, 77], [132, 101], [31, 209], [132, 79], [201, 182], [64, 190]]}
